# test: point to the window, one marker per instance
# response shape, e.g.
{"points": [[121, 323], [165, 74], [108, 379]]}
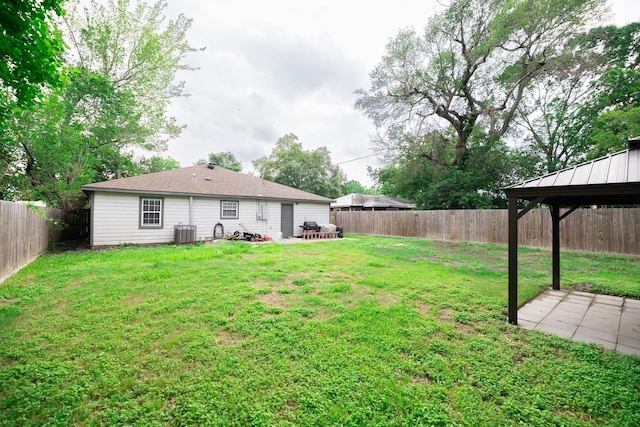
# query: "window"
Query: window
{"points": [[228, 210], [151, 212]]}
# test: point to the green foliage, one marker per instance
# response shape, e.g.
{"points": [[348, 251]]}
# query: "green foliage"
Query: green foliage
{"points": [[227, 160], [480, 68], [613, 129], [596, 115], [30, 47], [119, 82], [474, 184], [156, 164], [307, 170], [357, 188], [382, 332]]}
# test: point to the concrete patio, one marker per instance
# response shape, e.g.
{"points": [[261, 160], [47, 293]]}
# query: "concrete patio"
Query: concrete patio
{"points": [[612, 322]]}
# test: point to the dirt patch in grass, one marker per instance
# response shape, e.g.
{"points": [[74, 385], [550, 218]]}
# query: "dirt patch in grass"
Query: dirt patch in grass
{"points": [[387, 299], [226, 338], [8, 302], [422, 379], [424, 309], [135, 300], [446, 315], [582, 287], [259, 284], [273, 299]]}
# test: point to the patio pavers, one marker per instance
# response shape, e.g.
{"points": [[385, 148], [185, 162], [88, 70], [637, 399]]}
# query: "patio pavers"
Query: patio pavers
{"points": [[612, 322]]}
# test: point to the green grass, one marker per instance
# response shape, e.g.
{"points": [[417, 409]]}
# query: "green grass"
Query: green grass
{"points": [[363, 331]]}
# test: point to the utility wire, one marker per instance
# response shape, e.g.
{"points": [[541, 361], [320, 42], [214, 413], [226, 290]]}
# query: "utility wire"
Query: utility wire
{"points": [[364, 157]]}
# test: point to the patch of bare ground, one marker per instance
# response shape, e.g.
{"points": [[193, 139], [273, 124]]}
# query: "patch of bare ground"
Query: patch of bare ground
{"points": [[424, 310], [387, 299], [360, 293], [582, 287], [446, 315], [259, 284], [422, 379], [8, 302], [273, 299], [135, 300], [226, 338], [467, 329]]}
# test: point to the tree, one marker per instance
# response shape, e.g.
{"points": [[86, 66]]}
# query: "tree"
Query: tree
{"points": [[356, 187], [610, 116], [416, 178], [461, 82], [118, 86], [30, 48], [140, 54], [30, 59], [156, 164], [567, 117], [311, 171], [226, 159]]}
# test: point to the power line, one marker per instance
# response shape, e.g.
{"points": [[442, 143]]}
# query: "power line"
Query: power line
{"points": [[364, 157]]}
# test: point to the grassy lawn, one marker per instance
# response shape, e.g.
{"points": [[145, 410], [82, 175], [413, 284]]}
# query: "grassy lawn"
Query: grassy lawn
{"points": [[361, 331]]}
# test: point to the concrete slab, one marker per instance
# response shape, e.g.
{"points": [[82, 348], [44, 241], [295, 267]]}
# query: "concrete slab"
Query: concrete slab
{"points": [[559, 331], [609, 321], [628, 350]]}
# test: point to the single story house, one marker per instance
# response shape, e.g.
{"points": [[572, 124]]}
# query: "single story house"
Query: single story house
{"points": [[369, 202], [147, 209]]}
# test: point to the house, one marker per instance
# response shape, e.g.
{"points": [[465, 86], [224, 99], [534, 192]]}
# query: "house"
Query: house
{"points": [[147, 209], [369, 202]]}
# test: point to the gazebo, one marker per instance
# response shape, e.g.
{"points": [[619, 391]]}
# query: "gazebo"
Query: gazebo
{"points": [[610, 180]]}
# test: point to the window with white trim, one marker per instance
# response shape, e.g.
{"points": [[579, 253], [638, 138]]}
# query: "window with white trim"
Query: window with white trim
{"points": [[150, 212], [229, 210]]}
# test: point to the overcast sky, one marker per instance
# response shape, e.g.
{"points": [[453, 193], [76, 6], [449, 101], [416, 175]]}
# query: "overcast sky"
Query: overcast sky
{"points": [[276, 67]]}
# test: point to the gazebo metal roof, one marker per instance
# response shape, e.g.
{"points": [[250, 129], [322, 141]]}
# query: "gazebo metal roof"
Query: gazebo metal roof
{"points": [[613, 179]]}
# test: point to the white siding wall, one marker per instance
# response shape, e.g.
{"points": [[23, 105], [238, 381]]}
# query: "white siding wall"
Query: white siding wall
{"points": [[309, 212], [115, 218]]}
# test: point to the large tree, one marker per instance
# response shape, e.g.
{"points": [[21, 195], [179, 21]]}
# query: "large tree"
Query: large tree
{"points": [[585, 106], [120, 75], [461, 82], [30, 49], [308, 170], [226, 159], [30, 59]]}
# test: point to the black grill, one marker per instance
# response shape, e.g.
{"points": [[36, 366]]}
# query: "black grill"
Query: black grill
{"points": [[311, 226]]}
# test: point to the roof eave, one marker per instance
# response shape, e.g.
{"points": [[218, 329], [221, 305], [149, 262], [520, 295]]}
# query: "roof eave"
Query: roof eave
{"points": [[88, 188]]}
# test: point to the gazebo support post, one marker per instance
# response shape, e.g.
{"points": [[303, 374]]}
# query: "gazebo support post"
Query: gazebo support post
{"points": [[555, 245], [513, 260]]}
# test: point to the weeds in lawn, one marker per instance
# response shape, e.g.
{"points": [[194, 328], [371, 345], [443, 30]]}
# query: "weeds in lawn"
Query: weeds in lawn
{"points": [[361, 331]]}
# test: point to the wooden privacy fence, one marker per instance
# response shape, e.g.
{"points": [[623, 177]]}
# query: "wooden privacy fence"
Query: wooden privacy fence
{"points": [[615, 230], [24, 234]]}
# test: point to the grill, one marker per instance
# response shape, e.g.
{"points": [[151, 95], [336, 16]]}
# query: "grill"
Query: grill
{"points": [[311, 226]]}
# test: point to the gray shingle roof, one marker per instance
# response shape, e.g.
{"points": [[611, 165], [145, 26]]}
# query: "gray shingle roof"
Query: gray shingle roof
{"points": [[202, 181]]}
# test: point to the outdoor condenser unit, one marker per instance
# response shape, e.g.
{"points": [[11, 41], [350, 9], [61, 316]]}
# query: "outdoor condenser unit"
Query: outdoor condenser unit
{"points": [[183, 234]]}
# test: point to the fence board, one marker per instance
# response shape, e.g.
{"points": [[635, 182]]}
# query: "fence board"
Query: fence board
{"points": [[609, 230], [24, 235]]}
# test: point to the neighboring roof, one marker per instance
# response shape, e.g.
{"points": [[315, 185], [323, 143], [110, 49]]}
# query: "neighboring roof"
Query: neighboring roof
{"points": [[201, 180], [613, 179], [372, 201]]}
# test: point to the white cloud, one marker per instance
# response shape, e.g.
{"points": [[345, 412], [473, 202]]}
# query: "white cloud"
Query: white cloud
{"points": [[277, 67]]}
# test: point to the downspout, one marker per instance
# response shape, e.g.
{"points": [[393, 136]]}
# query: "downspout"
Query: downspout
{"points": [[190, 211]]}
